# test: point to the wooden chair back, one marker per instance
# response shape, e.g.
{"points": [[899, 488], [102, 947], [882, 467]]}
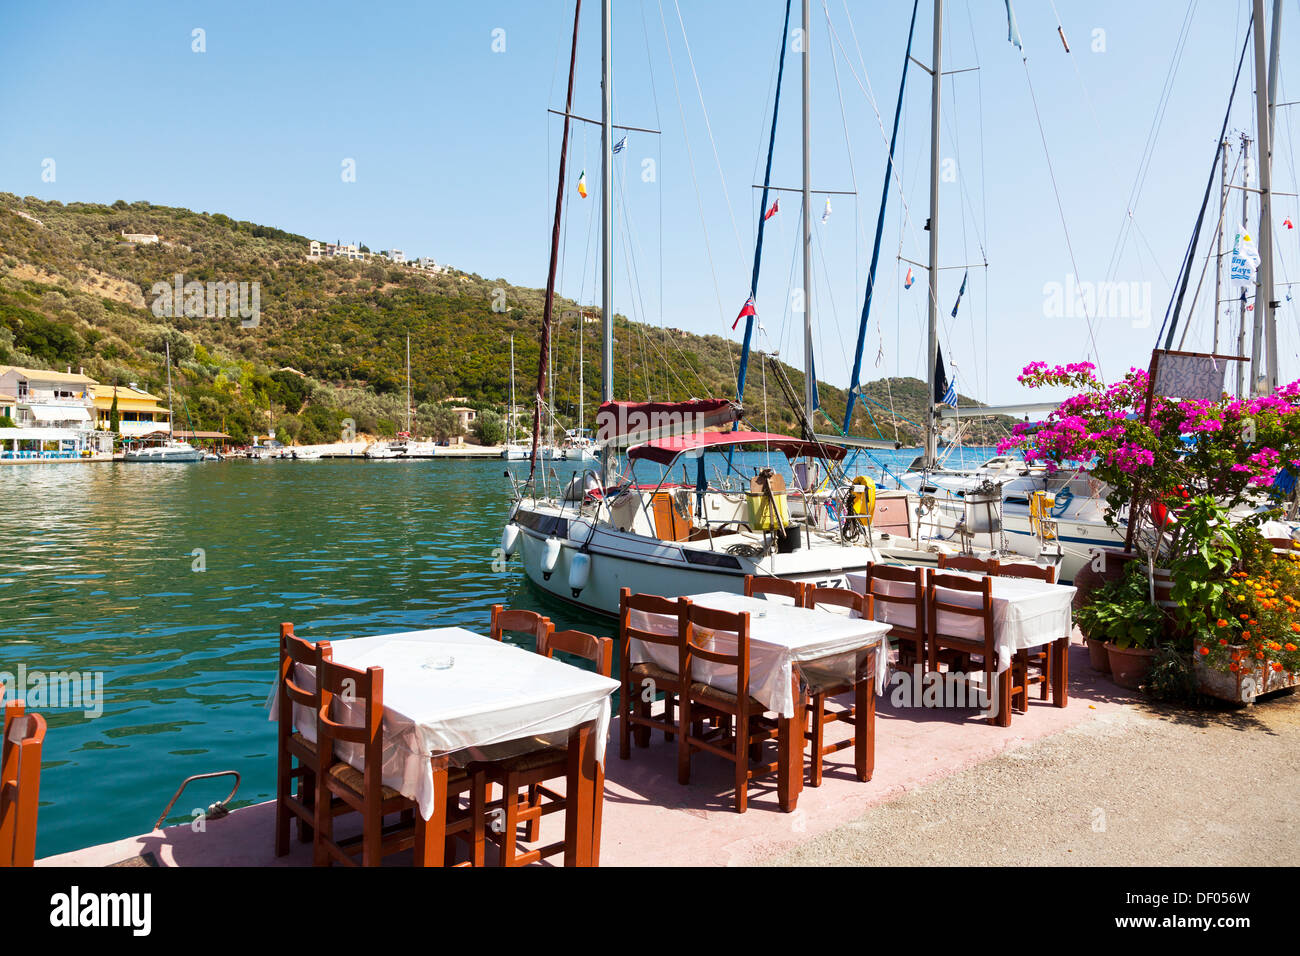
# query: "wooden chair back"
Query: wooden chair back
{"points": [[20, 786], [341, 685], [675, 608], [598, 650], [1282, 544], [858, 605], [966, 562], [763, 584], [293, 651], [1021, 569], [703, 625], [520, 621], [937, 603], [905, 611]]}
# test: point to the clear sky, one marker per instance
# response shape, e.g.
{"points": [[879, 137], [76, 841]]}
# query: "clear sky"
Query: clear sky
{"points": [[455, 154]]}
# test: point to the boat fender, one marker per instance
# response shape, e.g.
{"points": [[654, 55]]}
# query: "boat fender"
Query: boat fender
{"points": [[509, 539], [550, 555], [579, 572]]}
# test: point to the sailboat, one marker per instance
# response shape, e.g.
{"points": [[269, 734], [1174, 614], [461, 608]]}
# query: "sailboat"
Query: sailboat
{"points": [[404, 447], [170, 451], [602, 531]]}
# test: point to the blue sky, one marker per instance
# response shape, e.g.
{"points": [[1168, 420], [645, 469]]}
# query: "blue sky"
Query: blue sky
{"points": [[456, 155]]}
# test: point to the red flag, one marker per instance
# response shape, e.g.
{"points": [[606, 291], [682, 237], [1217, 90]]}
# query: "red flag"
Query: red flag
{"points": [[747, 310], [907, 283], [1288, 223], [776, 207]]}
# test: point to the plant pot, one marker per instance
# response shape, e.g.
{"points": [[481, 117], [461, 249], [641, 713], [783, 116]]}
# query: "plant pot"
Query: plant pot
{"points": [[1244, 685], [1097, 655], [1130, 666], [1089, 579]]}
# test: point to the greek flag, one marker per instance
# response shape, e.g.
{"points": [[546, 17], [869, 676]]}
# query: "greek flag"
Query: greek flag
{"points": [[950, 396], [618, 147]]}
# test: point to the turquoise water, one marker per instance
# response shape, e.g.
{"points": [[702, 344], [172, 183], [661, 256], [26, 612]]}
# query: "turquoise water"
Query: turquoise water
{"points": [[98, 575]]}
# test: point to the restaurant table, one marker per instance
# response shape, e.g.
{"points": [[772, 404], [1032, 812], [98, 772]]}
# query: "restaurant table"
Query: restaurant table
{"points": [[452, 696], [781, 638], [1027, 613]]}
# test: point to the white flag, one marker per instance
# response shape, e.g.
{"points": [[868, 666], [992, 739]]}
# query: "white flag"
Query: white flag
{"points": [[826, 213], [1245, 258]]}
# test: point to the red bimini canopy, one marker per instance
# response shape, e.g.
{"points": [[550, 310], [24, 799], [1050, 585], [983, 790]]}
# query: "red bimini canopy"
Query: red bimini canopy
{"points": [[664, 451], [625, 423]]}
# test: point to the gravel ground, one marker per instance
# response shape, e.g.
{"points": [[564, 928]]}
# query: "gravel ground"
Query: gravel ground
{"points": [[1151, 785]]}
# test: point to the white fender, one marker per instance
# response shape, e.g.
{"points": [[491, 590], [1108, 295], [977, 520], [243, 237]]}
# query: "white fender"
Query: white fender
{"points": [[550, 555], [509, 539], [579, 571]]}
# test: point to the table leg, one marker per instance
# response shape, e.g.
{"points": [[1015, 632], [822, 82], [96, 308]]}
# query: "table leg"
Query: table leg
{"points": [[864, 724], [431, 834], [1061, 672], [581, 796], [789, 743]]}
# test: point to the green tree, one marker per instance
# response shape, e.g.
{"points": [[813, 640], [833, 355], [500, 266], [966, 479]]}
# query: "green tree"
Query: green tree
{"points": [[490, 428], [114, 417]]}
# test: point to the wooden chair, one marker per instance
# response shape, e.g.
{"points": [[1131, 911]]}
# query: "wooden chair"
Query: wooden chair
{"points": [[296, 756], [532, 770], [519, 621], [824, 684], [905, 612], [739, 739], [762, 584], [966, 562], [20, 785], [938, 641], [1035, 667], [636, 697], [364, 790], [1282, 545]]}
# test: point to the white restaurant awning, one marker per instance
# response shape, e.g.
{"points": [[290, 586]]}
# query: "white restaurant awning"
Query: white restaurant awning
{"points": [[60, 413]]}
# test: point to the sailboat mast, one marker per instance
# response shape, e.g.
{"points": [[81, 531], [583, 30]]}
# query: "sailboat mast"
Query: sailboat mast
{"points": [[606, 204], [408, 383], [582, 321], [511, 440], [810, 373], [936, 79], [545, 340], [171, 416], [1263, 366]]}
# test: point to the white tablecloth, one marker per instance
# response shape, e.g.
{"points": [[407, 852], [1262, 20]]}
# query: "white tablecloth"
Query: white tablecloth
{"points": [[780, 637], [494, 700], [1026, 613]]}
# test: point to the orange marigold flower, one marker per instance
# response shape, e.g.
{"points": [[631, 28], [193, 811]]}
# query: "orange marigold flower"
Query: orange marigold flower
{"points": [[1222, 623], [1234, 666], [1277, 667], [1223, 641], [1205, 650]]}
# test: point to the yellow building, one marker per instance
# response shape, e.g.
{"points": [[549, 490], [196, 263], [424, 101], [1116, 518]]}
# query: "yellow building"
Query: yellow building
{"points": [[139, 412]]}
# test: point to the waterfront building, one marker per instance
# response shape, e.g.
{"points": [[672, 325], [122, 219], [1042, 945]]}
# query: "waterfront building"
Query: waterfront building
{"points": [[53, 415], [139, 413]]}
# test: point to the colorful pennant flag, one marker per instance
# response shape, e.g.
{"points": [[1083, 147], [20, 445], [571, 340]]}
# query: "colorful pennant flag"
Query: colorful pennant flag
{"points": [[1288, 223], [618, 147], [907, 283], [747, 309], [826, 213], [776, 207], [960, 292], [582, 184]]}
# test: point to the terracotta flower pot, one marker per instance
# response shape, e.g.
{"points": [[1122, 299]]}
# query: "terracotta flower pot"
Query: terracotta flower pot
{"points": [[1088, 579], [1130, 666], [1097, 655]]}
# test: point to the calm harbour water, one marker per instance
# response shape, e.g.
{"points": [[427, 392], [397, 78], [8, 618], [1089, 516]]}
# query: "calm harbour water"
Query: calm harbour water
{"points": [[98, 574]]}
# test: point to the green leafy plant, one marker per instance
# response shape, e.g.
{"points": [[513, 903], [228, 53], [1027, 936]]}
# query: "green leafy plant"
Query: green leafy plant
{"points": [[1121, 613]]}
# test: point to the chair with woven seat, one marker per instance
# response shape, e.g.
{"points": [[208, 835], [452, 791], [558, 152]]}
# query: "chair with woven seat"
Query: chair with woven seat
{"points": [[533, 770], [740, 738], [898, 599], [520, 621], [364, 791], [762, 584], [20, 785], [967, 562], [640, 683], [945, 611], [825, 683], [296, 756], [1034, 666]]}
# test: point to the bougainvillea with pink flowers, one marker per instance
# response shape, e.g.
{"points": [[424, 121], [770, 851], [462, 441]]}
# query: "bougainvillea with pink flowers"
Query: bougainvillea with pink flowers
{"points": [[1230, 449]]}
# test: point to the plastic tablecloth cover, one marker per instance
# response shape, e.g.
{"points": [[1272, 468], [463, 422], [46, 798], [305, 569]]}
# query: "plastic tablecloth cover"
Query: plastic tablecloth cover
{"points": [[1026, 612], [456, 693], [781, 636]]}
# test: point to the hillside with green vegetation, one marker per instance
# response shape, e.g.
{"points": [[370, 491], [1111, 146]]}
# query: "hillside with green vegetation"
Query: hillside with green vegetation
{"points": [[330, 340]]}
